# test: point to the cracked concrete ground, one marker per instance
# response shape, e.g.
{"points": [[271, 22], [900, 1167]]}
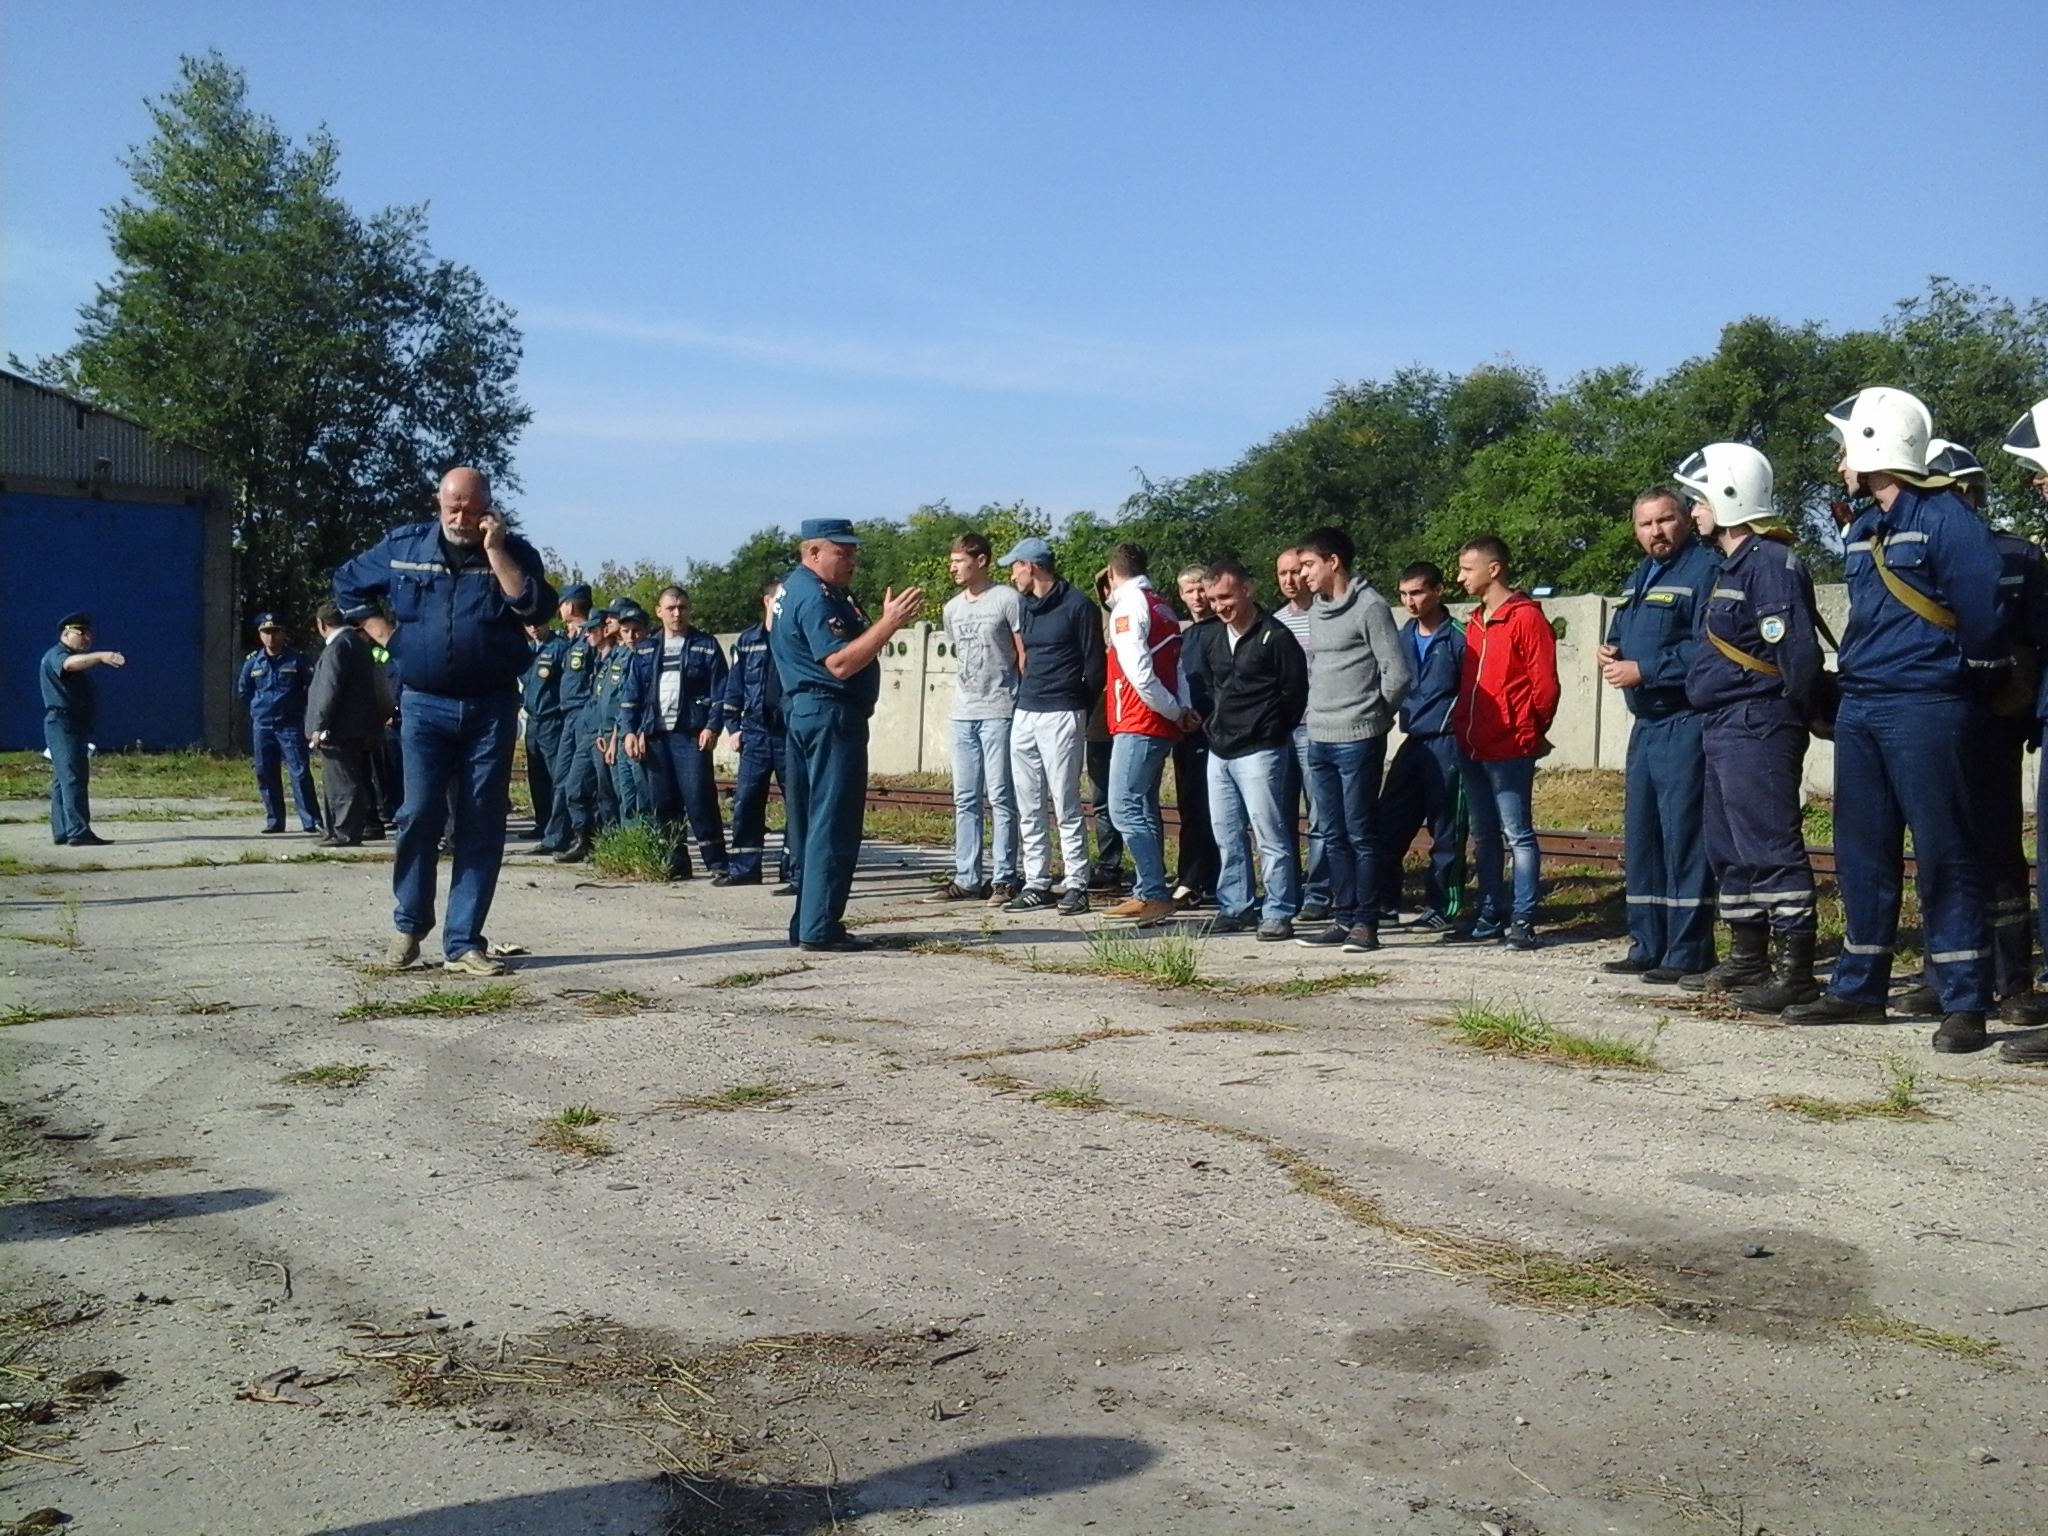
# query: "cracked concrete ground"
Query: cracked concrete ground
{"points": [[908, 1292]]}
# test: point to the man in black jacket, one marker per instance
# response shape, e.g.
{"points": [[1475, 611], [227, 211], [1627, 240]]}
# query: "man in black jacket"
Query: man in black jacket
{"points": [[1065, 663], [1257, 679], [344, 714]]}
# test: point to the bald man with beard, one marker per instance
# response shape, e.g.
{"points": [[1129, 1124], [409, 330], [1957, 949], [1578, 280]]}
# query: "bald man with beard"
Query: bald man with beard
{"points": [[450, 600]]}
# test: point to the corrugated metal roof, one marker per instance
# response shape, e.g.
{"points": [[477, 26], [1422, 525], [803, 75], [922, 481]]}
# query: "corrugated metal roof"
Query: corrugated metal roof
{"points": [[45, 435]]}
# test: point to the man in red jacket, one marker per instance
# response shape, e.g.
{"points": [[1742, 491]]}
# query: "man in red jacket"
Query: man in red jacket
{"points": [[1507, 697]]}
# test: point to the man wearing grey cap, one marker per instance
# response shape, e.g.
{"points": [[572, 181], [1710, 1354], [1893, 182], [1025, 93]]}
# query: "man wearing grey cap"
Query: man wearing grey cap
{"points": [[827, 655], [1065, 663]]}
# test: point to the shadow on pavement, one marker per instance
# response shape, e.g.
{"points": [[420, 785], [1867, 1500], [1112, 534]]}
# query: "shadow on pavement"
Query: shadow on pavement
{"points": [[68, 1215]]}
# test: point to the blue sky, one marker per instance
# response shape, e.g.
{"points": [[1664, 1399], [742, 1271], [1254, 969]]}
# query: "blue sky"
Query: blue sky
{"points": [[784, 260]]}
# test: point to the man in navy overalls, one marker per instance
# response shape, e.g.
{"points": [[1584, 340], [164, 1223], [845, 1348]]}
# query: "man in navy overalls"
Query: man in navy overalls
{"points": [[669, 712], [753, 712], [273, 683]]}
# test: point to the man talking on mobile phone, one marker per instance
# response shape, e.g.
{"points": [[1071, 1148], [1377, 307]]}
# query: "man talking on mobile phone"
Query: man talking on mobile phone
{"points": [[459, 592]]}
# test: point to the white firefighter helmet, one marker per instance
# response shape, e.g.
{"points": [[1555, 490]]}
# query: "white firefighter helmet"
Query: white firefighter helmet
{"points": [[2028, 439], [1733, 479], [1883, 430], [1952, 461]]}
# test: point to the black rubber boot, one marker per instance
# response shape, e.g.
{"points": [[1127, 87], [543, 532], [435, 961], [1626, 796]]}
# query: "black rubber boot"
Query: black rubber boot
{"points": [[1960, 1034], [1791, 981], [1829, 1009], [1748, 963]]}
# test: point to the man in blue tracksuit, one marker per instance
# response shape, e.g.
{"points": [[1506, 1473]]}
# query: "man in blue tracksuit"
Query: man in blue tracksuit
{"points": [[461, 590], [272, 684], [1425, 784], [828, 657], [670, 708], [1650, 645], [541, 698], [752, 705], [1922, 648], [1752, 680]]}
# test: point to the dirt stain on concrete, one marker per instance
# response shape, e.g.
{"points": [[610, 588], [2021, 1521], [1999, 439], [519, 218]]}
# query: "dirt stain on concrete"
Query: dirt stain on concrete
{"points": [[1763, 1282], [1428, 1344]]}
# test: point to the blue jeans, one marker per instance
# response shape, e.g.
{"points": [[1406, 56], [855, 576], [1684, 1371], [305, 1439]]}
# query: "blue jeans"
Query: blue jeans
{"points": [[1250, 792], [466, 743], [275, 744], [1344, 780], [1497, 798], [1136, 763], [70, 768], [981, 765], [1315, 881]]}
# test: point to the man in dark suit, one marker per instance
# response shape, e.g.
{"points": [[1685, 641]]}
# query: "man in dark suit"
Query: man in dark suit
{"points": [[344, 715]]}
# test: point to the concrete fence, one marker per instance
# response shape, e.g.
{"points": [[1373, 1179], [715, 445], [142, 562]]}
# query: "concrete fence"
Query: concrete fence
{"points": [[910, 733]]}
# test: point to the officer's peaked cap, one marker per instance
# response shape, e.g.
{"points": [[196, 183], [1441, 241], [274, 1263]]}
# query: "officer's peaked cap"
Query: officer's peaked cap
{"points": [[838, 529]]}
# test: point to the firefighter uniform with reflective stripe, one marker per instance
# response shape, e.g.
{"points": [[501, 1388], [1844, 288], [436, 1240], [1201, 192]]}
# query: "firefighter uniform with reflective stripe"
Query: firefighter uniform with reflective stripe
{"points": [[1997, 765], [1923, 645], [1751, 678], [1670, 894]]}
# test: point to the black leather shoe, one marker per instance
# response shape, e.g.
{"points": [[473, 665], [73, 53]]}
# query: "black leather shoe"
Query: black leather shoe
{"points": [[1960, 1034], [272, 831], [91, 840], [1667, 975], [1628, 965], [577, 851], [1830, 1009], [845, 944]]}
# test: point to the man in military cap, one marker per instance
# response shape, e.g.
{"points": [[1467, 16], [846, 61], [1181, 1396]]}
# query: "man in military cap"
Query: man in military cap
{"points": [[541, 697], [69, 711], [273, 683], [827, 655], [753, 713], [575, 810]]}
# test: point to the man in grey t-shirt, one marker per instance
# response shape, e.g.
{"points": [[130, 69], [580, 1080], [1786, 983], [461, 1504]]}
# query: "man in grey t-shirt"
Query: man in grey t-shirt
{"points": [[982, 623]]}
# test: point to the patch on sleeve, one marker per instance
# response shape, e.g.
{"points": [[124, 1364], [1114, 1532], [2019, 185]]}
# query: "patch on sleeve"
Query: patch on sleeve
{"points": [[837, 625], [1123, 623], [1772, 629], [576, 660]]}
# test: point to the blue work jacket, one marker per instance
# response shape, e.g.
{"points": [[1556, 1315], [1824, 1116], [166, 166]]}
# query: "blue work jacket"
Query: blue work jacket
{"points": [[274, 688], [1656, 624], [1762, 605], [458, 634], [541, 690], [751, 703], [601, 712], [701, 703], [812, 620], [1939, 547], [1426, 711], [2023, 606], [70, 696]]}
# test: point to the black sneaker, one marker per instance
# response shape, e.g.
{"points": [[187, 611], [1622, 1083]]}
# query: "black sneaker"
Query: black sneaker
{"points": [[1333, 937], [1244, 922], [1428, 922], [1029, 901], [1314, 912], [1362, 940], [1105, 879], [1523, 936], [787, 888], [1481, 932], [731, 879], [1279, 931], [1073, 904]]}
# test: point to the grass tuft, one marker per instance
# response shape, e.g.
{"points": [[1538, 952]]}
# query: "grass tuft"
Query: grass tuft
{"points": [[334, 1074], [21, 1013], [741, 1096], [1086, 1037], [1877, 1325], [1301, 985], [569, 1134], [193, 1004], [1521, 1031], [755, 978], [1083, 1095], [1230, 1027], [440, 1003], [1900, 1099], [638, 850], [613, 1002], [1001, 1082], [1167, 960]]}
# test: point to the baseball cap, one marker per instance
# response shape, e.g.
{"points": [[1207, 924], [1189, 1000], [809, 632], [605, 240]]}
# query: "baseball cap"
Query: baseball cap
{"points": [[1032, 551]]}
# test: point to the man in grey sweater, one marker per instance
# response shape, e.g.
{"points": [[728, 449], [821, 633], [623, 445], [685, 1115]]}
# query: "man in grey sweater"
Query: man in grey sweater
{"points": [[1361, 674]]}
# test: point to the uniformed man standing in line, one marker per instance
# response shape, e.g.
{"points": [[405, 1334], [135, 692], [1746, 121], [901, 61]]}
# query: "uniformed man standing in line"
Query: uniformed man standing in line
{"points": [[628, 784], [827, 655], [752, 706], [273, 684], [70, 710], [1650, 646], [670, 707], [1922, 648], [593, 802], [541, 695], [2028, 442], [575, 814], [1752, 678]]}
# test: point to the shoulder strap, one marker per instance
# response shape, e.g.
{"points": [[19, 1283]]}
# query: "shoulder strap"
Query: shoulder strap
{"points": [[1742, 658], [1912, 597]]}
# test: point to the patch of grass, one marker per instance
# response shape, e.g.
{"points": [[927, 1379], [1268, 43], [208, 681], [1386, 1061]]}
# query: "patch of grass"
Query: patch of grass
{"points": [[440, 1002], [638, 850], [612, 1002], [1817, 821], [1579, 799], [1001, 1082], [1230, 1027], [1082, 1095], [741, 1096], [21, 1013], [1302, 985], [136, 774], [1166, 960], [1075, 1042], [194, 1005], [66, 936], [755, 978], [569, 1133], [1877, 1325], [333, 1074], [1900, 1099], [1521, 1031], [898, 824]]}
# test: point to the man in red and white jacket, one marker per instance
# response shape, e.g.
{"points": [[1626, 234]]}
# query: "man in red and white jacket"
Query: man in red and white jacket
{"points": [[1507, 698], [1149, 710]]}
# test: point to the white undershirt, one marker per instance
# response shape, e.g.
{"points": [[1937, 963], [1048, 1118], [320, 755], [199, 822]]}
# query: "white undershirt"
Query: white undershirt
{"points": [[671, 679]]}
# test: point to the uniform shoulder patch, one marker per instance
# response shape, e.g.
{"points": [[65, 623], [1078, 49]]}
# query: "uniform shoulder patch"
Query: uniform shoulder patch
{"points": [[576, 660], [1123, 623], [1772, 629]]}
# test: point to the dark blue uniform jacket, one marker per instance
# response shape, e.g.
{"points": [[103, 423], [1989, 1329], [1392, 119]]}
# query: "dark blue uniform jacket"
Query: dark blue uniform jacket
{"points": [[1761, 604], [542, 691], [703, 690], [1427, 709], [458, 634], [1656, 624], [752, 700], [72, 695], [1938, 546], [812, 620], [275, 689], [2023, 604]]}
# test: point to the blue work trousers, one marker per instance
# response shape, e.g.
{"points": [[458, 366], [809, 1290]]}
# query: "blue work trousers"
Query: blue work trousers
{"points": [[1997, 767], [1901, 761], [1315, 854], [592, 797], [826, 793], [1137, 763], [1247, 795], [1670, 892], [981, 767], [279, 745], [1499, 799], [1756, 842], [543, 750], [70, 767], [761, 759], [1425, 788], [684, 790], [1344, 781], [463, 747]]}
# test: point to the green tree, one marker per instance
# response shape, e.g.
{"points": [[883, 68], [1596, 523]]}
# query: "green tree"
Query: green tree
{"points": [[327, 362]]}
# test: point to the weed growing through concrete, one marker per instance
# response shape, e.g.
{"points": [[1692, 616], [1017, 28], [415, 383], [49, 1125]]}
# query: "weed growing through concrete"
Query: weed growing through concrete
{"points": [[1303, 985], [569, 1133], [1230, 1027], [755, 978], [66, 936], [21, 1013], [613, 1002], [1001, 1082], [1169, 960], [1876, 1325], [1086, 1037], [194, 1004], [1900, 1100], [1521, 1031], [1082, 1095], [635, 851], [440, 1002], [742, 1096], [333, 1074]]}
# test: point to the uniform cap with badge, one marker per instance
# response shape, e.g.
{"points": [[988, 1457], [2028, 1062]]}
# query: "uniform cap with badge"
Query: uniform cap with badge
{"points": [[837, 530], [267, 621]]}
